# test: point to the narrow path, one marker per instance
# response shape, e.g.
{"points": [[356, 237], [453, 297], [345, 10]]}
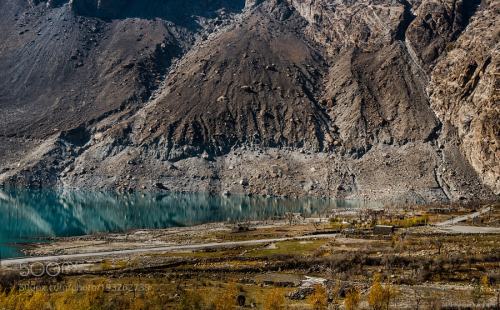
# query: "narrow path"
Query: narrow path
{"points": [[28, 260]]}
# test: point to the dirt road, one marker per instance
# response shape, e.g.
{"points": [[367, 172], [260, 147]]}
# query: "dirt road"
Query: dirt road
{"points": [[464, 218], [28, 260]]}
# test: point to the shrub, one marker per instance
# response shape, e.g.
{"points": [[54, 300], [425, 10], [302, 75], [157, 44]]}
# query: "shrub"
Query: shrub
{"points": [[477, 294], [480, 290], [8, 281], [409, 222], [192, 301], [106, 265]]}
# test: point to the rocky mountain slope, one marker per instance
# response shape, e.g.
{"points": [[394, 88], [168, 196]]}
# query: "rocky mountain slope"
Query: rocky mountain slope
{"points": [[371, 99]]}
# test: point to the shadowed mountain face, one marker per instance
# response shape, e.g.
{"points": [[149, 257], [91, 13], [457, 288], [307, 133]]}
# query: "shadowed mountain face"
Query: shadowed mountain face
{"points": [[60, 67], [188, 94], [175, 11]]}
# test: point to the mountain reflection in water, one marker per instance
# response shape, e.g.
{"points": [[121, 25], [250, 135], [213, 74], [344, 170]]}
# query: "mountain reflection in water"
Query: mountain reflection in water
{"points": [[32, 215]]}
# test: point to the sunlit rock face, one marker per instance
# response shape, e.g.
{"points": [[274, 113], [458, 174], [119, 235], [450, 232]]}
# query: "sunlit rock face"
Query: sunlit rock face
{"points": [[464, 92], [365, 24]]}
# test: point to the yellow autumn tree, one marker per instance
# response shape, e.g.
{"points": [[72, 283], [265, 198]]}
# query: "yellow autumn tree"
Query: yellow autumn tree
{"points": [[352, 299], [38, 301], [65, 300], [274, 300], [336, 292], [3, 300], [319, 299], [12, 300], [138, 304], [226, 300], [485, 284], [93, 297], [380, 296]]}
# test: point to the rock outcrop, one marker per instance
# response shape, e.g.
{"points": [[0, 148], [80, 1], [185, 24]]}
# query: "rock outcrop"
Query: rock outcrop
{"points": [[437, 25], [465, 92]]}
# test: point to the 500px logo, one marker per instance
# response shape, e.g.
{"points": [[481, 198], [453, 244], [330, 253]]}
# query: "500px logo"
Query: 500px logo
{"points": [[39, 269]]}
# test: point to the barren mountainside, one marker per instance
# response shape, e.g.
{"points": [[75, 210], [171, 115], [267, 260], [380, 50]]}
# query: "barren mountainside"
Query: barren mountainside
{"points": [[370, 99]]}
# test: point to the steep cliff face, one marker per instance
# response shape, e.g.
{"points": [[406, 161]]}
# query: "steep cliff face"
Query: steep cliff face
{"points": [[295, 97], [437, 25], [465, 92], [372, 77]]}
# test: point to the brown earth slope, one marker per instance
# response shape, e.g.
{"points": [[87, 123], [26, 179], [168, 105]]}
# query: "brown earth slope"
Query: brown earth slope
{"points": [[359, 99]]}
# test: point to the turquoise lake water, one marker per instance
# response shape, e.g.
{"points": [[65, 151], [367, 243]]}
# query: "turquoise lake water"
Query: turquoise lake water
{"points": [[34, 216]]}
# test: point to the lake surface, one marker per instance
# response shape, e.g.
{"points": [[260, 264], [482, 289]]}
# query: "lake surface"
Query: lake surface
{"points": [[34, 216]]}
